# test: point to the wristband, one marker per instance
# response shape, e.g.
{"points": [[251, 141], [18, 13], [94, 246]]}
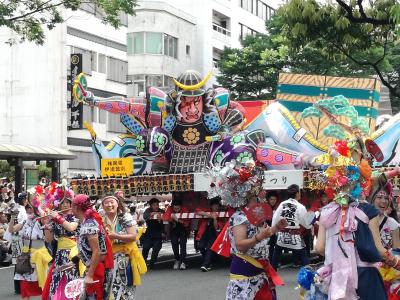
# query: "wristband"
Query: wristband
{"points": [[59, 219]]}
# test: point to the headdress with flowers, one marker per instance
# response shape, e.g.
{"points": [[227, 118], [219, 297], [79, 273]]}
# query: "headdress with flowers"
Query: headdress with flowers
{"points": [[236, 183], [344, 179], [50, 197]]}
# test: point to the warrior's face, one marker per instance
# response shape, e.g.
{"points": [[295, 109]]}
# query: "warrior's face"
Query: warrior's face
{"points": [[191, 108]]}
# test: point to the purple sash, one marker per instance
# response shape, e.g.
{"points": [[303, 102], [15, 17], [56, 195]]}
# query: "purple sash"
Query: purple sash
{"points": [[241, 267]]}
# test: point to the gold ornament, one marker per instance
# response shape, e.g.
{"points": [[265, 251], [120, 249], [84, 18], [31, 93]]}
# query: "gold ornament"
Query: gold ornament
{"points": [[191, 135]]}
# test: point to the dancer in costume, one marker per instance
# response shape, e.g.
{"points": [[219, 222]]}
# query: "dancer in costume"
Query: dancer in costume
{"points": [[61, 227], [16, 242], [252, 276], [388, 226], [389, 232], [95, 249], [348, 233], [30, 230], [129, 264]]}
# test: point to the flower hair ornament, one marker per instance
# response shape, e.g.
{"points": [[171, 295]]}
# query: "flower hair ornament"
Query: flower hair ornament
{"points": [[48, 198], [236, 183]]}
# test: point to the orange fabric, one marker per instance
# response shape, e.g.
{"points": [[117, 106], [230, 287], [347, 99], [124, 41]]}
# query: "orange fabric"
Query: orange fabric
{"points": [[365, 169]]}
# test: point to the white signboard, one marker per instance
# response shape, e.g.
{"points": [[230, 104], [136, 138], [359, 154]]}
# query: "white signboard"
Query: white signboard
{"points": [[273, 180], [281, 179], [202, 182]]}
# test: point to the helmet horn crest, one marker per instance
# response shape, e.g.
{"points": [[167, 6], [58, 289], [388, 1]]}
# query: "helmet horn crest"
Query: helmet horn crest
{"points": [[193, 87]]}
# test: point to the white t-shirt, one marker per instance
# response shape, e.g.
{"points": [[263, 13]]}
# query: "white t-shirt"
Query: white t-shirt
{"points": [[295, 214], [386, 232]]}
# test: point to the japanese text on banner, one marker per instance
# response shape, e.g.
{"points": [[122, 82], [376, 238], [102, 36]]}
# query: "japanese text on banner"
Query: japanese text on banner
{"points": [[116, 167]]}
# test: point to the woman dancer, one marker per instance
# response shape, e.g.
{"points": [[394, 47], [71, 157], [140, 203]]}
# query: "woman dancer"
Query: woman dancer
{"points": [[95, 249], [129, 264], [389, 233], [62, 228], [252, 276], [30, 230], [388, 226], [348, 234]]}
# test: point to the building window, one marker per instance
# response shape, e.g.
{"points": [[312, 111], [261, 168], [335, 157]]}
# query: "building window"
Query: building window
{"points": [[170, 46], [258, 8], [117, 69], [154, 80], [102, 116], [94, 61], [187, 49], [114, 124], [135, 43], [140, 81], [101, 63], [245, 30], [154, 43]]}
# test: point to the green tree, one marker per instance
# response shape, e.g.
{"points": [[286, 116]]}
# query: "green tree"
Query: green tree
{"points": [[361, 35], [43, 171], [6, 170], [29, 18], [252, 72]]}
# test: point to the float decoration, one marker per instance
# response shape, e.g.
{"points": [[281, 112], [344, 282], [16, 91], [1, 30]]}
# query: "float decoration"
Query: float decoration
{"points": [[151, 184], [190, 128]]}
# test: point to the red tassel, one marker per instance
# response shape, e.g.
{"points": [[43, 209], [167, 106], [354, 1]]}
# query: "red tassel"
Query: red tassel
{"points": [[109, 259], [46, 288]]}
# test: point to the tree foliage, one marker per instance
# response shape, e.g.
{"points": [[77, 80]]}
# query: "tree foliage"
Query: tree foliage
{"points": [[252, 72], [340, 38], [29, 18], [362, 34], [6, 170]]}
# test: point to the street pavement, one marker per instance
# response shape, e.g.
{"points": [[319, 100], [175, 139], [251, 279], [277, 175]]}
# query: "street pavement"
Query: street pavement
{"points": [[164, 283]]}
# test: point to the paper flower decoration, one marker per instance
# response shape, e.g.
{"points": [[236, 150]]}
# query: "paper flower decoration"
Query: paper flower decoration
{"points": [[236, 182], [342, 148]]}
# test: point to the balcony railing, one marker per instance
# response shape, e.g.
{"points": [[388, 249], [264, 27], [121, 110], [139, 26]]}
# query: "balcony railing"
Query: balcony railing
{"points": [[221, 29]]}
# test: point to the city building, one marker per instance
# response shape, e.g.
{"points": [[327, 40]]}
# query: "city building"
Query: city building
{"points": [[35, 86], [167, 37], [162, 40]]}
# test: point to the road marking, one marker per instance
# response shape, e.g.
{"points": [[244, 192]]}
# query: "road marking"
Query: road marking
{"points": [[9, 267]]}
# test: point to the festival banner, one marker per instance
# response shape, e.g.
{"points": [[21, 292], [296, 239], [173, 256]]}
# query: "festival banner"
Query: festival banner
{"points": [[114, 167], [281, 179], [76, 117]]}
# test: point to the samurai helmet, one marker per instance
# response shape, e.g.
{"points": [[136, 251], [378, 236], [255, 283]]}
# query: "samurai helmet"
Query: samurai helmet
{"points": [[189, 83]]}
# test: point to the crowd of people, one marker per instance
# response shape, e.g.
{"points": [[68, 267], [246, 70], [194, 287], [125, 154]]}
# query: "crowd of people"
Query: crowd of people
{"points": [[101, 243]]}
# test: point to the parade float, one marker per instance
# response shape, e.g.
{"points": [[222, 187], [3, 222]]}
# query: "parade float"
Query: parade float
{"points": [[174, 137]]}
